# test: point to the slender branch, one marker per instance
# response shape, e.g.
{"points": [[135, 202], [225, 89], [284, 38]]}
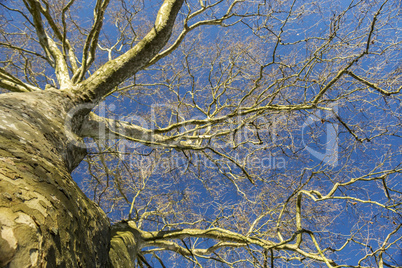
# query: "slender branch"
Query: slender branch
{"points": [[351, 63], [24, 50], [374, 86], [298, 218], [317, 196], [187, 28], [88, 55]]}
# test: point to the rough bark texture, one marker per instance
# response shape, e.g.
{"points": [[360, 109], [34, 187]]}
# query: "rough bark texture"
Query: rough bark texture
{"points": [[124, 245], [45, 219]]}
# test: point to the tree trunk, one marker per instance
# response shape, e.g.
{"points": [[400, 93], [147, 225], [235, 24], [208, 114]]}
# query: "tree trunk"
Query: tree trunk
{"points": [[45, 219]]}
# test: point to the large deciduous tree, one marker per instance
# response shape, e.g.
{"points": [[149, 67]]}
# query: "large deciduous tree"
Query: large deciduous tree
{"points": [[269, 131]]}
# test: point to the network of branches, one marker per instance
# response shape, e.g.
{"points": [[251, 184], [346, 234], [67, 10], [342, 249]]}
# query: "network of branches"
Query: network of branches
{"points": [[264, 134]]}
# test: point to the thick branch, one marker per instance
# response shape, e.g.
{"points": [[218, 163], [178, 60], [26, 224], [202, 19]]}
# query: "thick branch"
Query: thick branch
{"points": [[101, 128], [116, 71], [226, 238], [124, 244], [199, 252]]}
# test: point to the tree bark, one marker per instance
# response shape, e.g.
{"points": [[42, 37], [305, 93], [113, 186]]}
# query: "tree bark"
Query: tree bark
{"points": [[45, 219]]}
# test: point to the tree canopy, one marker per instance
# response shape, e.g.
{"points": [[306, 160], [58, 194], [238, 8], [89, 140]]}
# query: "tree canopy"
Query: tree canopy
{"points": [[226, 133]]}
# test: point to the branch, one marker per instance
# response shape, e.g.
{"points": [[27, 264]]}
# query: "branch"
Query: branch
{"points": [[24, 51], [224, 237], [199, 252], [14, 84], [60, 36], [48, 45], [98, 127], [70, 49], [124, 243], [187, 28], [374, 86], [317, 196], [347, 67], [116, 71], [88, 55]]}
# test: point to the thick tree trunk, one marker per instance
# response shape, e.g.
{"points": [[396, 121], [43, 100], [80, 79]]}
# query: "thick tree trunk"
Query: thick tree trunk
{"points": [[45, 219]]}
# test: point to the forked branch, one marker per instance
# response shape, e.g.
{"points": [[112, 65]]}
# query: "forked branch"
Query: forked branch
{"points": [[114, 72]]}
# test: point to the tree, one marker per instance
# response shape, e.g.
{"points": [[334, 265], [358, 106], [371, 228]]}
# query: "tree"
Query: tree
{"points": [[269, 131]]}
